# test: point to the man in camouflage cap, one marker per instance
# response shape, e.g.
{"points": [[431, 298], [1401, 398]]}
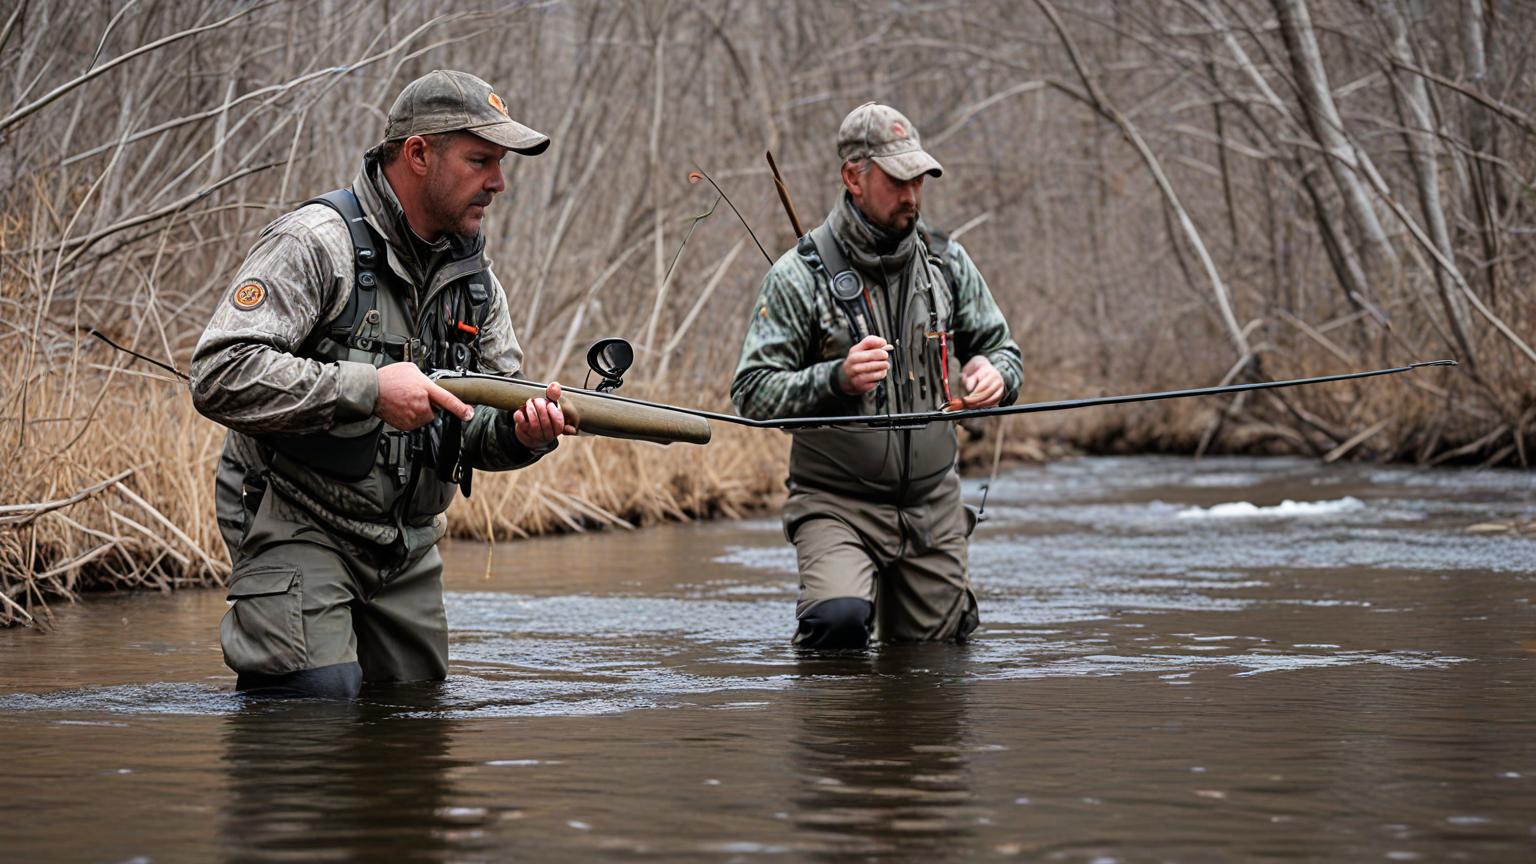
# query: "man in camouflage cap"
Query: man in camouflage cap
{"points": [[864, 317], [336, 470]]}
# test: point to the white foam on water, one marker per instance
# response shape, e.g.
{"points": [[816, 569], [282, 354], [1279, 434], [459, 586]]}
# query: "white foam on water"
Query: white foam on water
{"points": [[1284, 510]]}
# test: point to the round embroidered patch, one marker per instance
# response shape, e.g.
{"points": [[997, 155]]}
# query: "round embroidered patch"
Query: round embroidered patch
{"points": [[249, 295]]}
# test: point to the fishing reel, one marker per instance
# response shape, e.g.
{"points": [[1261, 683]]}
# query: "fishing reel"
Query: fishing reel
{"points": [[610, 358]]}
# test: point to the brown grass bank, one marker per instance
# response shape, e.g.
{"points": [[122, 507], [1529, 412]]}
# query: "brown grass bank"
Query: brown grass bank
{"points": [[121, 493], [1161, 194]]}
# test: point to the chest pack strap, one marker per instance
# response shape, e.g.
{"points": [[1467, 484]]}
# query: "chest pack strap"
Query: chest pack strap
{"points": [[825, 257]]}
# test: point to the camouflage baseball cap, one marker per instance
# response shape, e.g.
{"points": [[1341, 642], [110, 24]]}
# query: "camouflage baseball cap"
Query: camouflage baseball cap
{"points": [[446, 101], [880, 132]]}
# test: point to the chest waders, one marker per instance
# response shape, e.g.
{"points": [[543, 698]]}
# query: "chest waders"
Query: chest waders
{"points": [[376, 471]]}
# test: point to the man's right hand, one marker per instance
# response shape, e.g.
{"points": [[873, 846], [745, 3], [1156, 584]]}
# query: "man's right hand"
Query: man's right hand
{"points": [[866, 365], [406, 398]]}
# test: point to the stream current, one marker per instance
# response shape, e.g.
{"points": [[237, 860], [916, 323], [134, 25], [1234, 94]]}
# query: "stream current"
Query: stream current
{"points": [[1223, 660]]}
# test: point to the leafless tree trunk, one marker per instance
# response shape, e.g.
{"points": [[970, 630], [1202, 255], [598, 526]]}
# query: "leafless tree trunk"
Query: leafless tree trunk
{"points": [[1345, 162], [1419, 130], [1482, 134]]}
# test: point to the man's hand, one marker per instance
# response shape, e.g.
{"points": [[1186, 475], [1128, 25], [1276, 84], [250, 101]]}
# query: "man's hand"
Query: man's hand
{"points": [[406, 398], [982, 382], [867, 365], [539, 421]]}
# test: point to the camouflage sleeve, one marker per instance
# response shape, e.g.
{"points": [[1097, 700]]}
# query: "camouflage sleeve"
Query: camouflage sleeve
{"points": [[780, 373], [490, 444], [980, 327], [245, 371]]}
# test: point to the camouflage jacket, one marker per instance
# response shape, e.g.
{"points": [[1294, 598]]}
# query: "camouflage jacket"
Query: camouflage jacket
{"points": [[792, 356], [255, 370]]}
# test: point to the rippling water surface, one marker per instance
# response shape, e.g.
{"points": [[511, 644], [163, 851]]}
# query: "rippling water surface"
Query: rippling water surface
{"points": [[1214, 661]]}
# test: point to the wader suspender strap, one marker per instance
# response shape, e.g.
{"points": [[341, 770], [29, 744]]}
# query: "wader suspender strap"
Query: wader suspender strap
{"points": [[938, 249], [825, 256], [365, 257]]}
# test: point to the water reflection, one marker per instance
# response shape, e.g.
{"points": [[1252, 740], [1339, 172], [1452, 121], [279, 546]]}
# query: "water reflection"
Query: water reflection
{"points": [[880, 751], [355, 779]]}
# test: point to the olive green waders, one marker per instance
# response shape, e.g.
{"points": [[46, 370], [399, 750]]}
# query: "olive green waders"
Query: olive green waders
{"points": [[305, 599], [908, 563]]}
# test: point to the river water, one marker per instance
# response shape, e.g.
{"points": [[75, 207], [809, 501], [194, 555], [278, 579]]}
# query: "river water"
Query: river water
{"points": [[1227, 660]]}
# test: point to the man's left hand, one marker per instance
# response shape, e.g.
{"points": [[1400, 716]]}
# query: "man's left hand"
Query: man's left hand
{"points": [[539, 421], [982, 382]]}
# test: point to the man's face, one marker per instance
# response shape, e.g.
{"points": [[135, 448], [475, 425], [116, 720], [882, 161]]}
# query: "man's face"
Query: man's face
{"points": [[885, 201], [463, 175]]}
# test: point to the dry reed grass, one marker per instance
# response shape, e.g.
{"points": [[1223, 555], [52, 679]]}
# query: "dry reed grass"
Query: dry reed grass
{"points": [[122, 500], [1146, 186]]}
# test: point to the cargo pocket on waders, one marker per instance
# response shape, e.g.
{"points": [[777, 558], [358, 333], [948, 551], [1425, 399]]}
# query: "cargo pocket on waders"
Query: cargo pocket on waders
{"points": [[264, 630]]}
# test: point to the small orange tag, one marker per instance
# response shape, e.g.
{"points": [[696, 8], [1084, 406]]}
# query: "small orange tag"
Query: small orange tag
{"points": [[498, 104], [249, 295], [898, 130]]}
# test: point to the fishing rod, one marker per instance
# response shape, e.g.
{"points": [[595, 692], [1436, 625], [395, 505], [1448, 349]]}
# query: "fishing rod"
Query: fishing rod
{"points": [[600, 411], [603, 412], [922, 418]]}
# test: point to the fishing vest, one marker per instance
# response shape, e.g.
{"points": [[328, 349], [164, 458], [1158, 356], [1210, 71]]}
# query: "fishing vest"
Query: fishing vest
{"points": [[900, 465], [365, 477]]}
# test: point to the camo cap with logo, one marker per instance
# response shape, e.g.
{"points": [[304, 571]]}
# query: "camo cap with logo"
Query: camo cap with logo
{"points": [[446, 101], [880, 132]]}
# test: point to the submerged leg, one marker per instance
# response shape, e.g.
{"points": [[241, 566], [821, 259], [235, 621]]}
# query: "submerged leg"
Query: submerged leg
{"points": [[337, 681], [926, 594], [842, 622], [836, 608], [288, 632]]}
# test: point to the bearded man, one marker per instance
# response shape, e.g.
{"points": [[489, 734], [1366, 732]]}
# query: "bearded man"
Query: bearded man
{"points": [[865, 317]]}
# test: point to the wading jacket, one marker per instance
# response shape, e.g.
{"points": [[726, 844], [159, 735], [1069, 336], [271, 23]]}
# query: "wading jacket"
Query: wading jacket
{"points": [[791, 361], [267, 369]]}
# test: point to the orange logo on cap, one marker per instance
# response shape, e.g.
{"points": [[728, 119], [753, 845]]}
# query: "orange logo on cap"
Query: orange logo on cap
{"points": [[249, 295], [498, 104], [898, 130]]}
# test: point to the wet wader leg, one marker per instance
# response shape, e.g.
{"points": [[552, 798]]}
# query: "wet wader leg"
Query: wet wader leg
{"points": [[925, 595], [837, 585], [289, 632], [928, 597], [338, 681], [402, 631]]}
